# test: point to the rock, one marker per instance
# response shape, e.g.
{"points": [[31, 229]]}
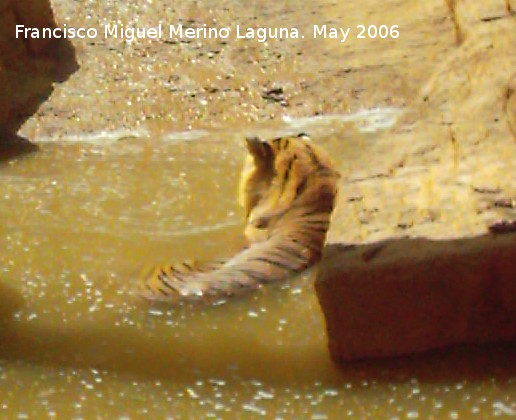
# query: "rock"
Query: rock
{"points": [[510, 106], [28, 67], [445, 171], [4, 98], [35, 14], [410, 295], [4, 4]]}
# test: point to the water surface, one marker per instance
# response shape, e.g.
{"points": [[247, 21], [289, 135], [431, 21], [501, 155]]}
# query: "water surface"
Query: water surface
{"points": [[80, 218]]}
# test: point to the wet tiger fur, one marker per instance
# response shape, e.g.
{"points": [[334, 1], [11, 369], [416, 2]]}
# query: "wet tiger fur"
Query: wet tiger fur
{"points": [[287, 189]]}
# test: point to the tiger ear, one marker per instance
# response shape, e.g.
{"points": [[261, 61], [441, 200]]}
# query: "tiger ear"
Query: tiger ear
{"points": [[260, 149]]}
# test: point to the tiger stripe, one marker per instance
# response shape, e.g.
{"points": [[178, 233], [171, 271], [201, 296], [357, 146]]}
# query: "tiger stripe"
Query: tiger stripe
{"points": [[288, 189]]}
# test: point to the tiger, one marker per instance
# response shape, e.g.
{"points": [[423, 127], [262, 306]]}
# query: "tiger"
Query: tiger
{"points": [[287, 189]]}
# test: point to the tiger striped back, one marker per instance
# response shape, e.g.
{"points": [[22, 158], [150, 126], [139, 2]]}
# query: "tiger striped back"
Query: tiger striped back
{"points": [[287, 188]]}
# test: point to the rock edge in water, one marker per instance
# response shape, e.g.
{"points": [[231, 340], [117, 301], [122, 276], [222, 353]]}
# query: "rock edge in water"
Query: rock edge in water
{"points": [[410, 295]]}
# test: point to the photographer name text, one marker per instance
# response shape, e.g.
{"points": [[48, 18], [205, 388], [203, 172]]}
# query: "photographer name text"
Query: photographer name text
{"points": [[180, 32]]}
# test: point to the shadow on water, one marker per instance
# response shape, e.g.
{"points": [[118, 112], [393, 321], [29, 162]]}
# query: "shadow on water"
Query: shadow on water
{"points": [[227, 353], [12, 145], [10, 301]]}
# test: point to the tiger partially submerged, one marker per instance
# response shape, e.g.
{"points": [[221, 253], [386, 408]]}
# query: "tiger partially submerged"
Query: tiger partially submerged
{"points": [[287, 189]]}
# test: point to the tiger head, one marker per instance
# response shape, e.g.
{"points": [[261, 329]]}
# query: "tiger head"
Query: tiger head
{"points": [[282, 174]]}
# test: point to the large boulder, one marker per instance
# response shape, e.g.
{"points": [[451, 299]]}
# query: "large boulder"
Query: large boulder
{"points": [[409, 295], [34, 14], [4, 98], [446, 171], [28, 67]]}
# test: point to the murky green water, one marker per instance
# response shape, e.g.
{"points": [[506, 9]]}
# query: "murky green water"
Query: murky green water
{"points": [[78, 221]]}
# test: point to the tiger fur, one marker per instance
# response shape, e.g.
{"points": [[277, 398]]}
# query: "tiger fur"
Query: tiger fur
{"points": [[287, 189]]}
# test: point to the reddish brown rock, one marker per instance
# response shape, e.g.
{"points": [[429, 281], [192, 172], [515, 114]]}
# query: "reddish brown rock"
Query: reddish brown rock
{"points": [[28, 67], [410, 295], [4, 4], [34, 14], [4, 101]]}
